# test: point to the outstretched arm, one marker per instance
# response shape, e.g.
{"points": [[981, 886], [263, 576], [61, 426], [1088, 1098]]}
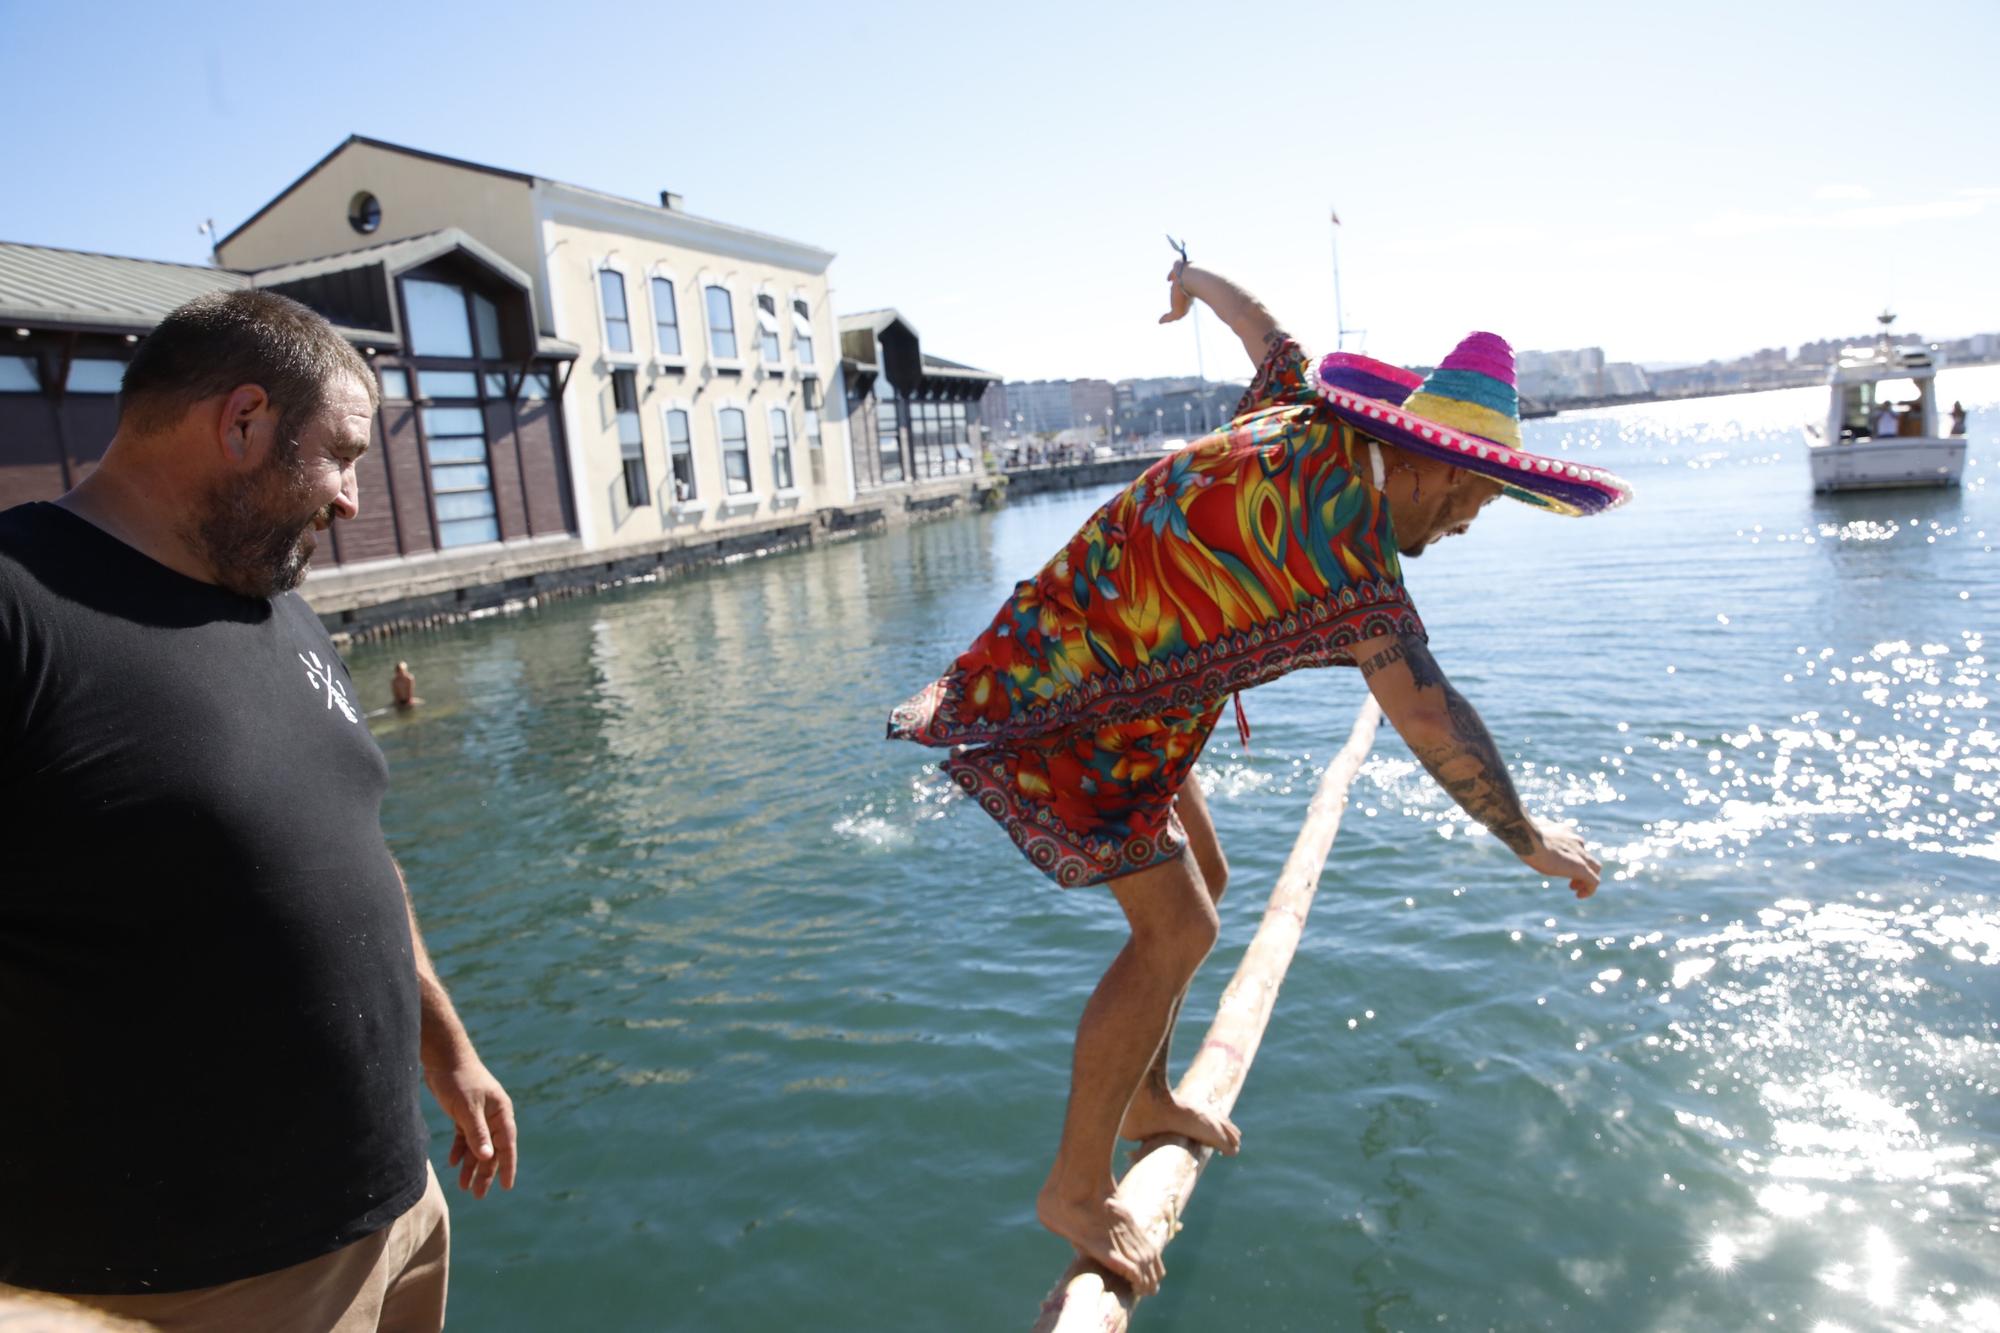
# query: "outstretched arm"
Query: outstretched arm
{"points": [[1243, 313], [1445, 733]]}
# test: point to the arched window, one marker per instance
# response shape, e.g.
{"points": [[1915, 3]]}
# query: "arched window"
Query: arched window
{"points": [[617, 316], [680, 456], [802, 328], [781, 450], [768, 348], [666, 315], [733, 426], [721, 322]]}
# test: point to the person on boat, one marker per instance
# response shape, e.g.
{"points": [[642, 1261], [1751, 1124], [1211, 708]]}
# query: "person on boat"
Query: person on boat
{"points": [[1885, 421], [1958, 418], [1272, 544]]}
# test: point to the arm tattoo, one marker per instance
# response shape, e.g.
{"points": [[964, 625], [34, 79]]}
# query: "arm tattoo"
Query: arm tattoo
{"points": [[1276, 337], [1465, 761], [1371, 665]]}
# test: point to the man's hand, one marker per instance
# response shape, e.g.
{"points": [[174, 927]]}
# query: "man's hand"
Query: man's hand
{"points": [[1560, 854], [1179, 302], [484, 1114]]}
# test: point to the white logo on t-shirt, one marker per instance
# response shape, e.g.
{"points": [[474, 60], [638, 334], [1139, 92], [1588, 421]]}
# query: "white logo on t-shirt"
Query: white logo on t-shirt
{"points": [[319, 674]]}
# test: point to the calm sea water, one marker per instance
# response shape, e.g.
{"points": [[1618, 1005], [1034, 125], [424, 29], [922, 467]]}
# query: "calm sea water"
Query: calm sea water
{"points": [[789, 1022]]}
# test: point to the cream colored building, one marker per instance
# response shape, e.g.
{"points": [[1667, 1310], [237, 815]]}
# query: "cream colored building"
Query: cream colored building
{"points": [[697, 401]]}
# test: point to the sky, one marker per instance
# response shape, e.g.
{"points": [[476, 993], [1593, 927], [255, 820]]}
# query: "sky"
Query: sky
{"points": [[1670, 182]]}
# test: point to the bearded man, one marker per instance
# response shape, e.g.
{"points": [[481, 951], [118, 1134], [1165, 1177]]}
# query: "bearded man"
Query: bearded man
{"points": [[1274, 544], [215, 1006]]}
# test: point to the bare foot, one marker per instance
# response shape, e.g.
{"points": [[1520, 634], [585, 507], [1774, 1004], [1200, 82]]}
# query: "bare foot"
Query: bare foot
{"points": [[1104, 1230], [1155, 1111]]}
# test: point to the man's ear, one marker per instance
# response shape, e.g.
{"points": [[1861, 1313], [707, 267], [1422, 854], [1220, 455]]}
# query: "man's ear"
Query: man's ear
{"points": [[246, 423]]}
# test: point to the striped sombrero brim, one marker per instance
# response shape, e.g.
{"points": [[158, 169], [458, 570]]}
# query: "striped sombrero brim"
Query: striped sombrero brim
{"points": [[1548, 483]]}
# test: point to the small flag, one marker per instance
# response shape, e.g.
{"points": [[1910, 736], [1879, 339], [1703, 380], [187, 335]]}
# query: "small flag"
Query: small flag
{"points": [[1335, 216]]}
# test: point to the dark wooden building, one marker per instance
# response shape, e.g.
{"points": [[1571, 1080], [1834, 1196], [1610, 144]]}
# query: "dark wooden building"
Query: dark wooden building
{"points": [[469, 449], [911, 417]]}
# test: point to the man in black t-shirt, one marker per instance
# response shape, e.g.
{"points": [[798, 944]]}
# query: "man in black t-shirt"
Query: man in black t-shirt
{"points": [[215, 1007]]}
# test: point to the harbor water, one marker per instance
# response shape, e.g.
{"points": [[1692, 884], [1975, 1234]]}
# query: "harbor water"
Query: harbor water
{"points": [[788, 1022]]}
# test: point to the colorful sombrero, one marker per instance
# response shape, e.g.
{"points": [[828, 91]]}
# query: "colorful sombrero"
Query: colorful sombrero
{"points": [[1467, 413]]}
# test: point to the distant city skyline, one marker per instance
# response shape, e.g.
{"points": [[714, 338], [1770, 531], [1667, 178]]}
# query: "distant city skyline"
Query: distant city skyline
{"points": [[1669, 188]]}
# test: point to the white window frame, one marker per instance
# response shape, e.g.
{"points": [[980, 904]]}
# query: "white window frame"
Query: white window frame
{"points": [[792, 491], [662, 358], [607, 264], [768, 323], [750, 499], [802, 325], [703, 281], [698, 504]]}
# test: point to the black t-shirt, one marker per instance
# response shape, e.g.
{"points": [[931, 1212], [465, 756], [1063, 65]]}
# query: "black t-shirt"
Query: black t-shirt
{"points": [[208, 1002]]}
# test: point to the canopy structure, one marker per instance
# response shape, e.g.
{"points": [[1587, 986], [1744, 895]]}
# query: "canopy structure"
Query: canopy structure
{"points": [[1088, 1297]]}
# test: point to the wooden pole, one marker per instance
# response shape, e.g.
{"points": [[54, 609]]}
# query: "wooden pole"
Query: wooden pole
{"points": [[1088, 1298]]}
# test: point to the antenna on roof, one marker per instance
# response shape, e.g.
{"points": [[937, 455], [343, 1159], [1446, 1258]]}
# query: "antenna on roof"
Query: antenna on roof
{"points": [[207, 228]]}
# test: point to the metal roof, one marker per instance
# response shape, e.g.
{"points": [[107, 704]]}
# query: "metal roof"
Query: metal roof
{"points": [[937, 365], [40, 284], [395, 257]]}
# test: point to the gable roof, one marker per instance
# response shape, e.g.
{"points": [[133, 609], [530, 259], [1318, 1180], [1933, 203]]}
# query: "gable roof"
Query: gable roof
{"points": [[362, 139]]}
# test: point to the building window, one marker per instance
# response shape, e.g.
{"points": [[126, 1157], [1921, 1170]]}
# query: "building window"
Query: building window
{"points": [[448, 383], [486, 323], [680, 455], [535, 386], [631, 448], [617, 321], [781, 451], [802, 331], [395, 384], [461, 481], [666, 318], [92, 375], [364, 212], [767, 329], [888, 447], [17, 375], [809, 391], [735, 451], [721, 324], [439, 325]]}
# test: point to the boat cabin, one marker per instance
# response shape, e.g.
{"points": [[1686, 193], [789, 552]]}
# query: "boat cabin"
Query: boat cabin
{"points": [[1882, 393]]}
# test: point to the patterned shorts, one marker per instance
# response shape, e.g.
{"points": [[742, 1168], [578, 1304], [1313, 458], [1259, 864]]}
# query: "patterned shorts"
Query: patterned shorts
{"points": [[1095, 801]]}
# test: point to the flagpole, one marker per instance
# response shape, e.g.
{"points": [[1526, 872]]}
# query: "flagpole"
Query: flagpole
{"points": [[1339, 319]]}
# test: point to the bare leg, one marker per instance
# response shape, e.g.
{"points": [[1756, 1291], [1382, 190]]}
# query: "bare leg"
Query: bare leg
{"points": [[1154, 1109], [1173, 928]]}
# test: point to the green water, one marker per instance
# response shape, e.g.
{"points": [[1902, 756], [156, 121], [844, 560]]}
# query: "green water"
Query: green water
{"points": [[788, 1022]]}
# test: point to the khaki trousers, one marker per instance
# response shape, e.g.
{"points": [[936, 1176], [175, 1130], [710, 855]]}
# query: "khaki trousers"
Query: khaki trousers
{"points": [[390, 1282]]}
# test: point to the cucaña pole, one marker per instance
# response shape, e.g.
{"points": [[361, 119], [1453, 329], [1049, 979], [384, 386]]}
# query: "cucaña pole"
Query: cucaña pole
{"points": [[1157, 1188]]}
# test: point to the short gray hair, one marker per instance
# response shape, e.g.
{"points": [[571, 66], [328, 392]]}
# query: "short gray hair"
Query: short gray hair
{"points": [[219, 342]]}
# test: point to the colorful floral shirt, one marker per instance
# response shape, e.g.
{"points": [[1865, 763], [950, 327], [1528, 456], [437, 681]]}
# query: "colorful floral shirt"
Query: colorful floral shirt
{"points": [[1252, 552]]}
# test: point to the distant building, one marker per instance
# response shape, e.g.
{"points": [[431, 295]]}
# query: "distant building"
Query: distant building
{"points": [[1577, 373], [467, 449], [1041, 407], [914, 418]]}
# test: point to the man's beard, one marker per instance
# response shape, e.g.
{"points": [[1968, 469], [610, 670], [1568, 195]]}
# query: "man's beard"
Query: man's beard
{"points": [[253, 532]]}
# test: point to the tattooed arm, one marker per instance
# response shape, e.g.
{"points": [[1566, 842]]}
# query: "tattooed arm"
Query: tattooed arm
{"points": [[1445, 733], [1243, 313]]}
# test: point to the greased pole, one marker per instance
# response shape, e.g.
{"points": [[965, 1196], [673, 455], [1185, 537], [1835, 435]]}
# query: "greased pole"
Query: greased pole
{"points": [[1088, 1298]]}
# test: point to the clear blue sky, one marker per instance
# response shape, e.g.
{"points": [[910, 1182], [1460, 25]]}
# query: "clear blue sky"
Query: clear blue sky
{"points": [[1668, 181]]}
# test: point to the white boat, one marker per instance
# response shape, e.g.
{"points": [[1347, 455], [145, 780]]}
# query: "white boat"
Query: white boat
{"points": [[1881, 428]]}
